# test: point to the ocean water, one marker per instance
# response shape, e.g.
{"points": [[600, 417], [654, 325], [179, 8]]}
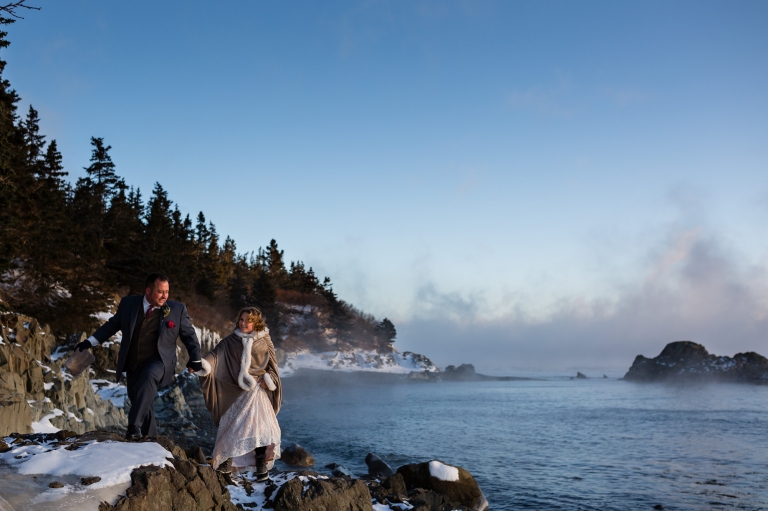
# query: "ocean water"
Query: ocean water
{"points": [[554, 444]]}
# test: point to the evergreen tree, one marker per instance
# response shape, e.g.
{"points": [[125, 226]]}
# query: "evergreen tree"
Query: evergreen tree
{"points": [[385, 334]]}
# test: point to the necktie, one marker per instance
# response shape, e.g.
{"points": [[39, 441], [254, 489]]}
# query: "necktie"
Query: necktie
{"points": [[149, 311]]}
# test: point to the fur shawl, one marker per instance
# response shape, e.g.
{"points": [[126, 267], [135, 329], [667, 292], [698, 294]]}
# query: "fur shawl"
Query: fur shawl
{"points": [[235, 366]]}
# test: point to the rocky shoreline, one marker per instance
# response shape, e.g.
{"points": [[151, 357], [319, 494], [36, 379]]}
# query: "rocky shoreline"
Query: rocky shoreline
{"points": [[183, 481]]}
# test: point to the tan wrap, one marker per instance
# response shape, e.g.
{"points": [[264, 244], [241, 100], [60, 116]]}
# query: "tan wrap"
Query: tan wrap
{"points": [[220, 386]]}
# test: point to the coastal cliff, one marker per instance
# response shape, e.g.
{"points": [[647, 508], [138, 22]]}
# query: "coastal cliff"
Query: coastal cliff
{"points": [[689, 361]]}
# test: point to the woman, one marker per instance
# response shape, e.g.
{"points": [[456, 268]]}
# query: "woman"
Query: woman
{"points": [[242, 391]]}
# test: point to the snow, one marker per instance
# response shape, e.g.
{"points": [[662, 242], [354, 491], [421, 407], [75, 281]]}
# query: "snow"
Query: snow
{"points": [[59, 352], [357, 360], [443, 472], [44, 425], [112, 461], [115, 392]]}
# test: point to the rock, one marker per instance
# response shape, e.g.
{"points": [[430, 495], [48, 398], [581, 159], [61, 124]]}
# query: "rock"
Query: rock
{"points": [[605, 376], [437, 476], [197, 454], [297, 456], [581, 375], [658, 506], [87, 481], [55, 484], [377, 467], [395, 484], [428, 500], [689, 361], [187, 486], [339, 470], [15, 413], [323, 495]]}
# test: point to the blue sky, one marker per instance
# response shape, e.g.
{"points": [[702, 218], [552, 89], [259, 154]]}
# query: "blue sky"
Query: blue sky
{"points": [[564, 184]]}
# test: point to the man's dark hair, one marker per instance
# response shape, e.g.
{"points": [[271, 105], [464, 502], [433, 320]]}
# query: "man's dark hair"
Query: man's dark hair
{"points": [[154, 277]]}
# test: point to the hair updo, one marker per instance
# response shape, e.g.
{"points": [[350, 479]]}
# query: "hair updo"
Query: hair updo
{"points": [[254, 316]]}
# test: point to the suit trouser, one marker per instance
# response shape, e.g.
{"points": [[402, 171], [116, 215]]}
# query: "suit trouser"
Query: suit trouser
{"points": [[142, 390]]}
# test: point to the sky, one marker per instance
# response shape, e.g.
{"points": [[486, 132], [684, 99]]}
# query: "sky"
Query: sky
{"points": [[524, 186]]}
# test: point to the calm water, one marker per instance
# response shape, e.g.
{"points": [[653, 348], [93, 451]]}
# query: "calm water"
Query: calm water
{"points": [[554, 444]]}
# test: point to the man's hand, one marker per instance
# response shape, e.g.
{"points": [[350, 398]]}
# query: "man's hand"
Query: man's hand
{"points": [[195, 366], [262, 383], [85, 345]]}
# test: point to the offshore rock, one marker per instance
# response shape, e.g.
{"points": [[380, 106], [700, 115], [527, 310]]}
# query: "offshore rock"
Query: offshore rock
{"points": [[463, 491], [689, 361], [323, 495]]}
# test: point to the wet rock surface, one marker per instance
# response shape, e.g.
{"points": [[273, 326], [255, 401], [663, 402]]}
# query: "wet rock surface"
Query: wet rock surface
{"points": [[689, 361], [297, 456]]}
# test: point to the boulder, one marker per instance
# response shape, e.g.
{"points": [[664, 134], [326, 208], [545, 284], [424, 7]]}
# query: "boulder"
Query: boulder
{"points": [[377, 467], [187, 486], [339, 470], [689, 361], [455, 483], [323, 495], [297, 456], [581, 376]]}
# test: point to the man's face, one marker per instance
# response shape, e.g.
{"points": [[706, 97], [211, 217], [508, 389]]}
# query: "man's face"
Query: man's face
{"points": [[157, 294]]}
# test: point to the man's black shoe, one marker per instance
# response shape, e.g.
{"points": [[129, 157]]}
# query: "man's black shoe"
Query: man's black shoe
{"points": [[133, 433]]}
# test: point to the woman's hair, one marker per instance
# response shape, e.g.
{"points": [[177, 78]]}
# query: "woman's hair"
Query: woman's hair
{"points": [[254, 316]]}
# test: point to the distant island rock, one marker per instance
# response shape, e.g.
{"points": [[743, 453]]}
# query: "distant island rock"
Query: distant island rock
{"points": [[466, 372], [689, 361]]}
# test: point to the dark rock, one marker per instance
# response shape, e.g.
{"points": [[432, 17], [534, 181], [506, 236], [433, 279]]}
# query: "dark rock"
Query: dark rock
{"points": [[464, 491], [395, 484], [377, 467], [3, 446], [55, 484], [87, 481], [297, 456], [339, 470], [605, 376], [428, 500], [688, 361], [658, 506], [196, 453], [581, 375], [324, 495]]}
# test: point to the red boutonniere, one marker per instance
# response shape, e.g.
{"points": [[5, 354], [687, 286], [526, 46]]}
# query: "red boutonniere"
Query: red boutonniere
{"points": [[171, 324]]}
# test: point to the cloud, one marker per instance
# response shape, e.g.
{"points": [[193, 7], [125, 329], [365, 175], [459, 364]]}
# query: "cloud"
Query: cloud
{"points": [[695, 288]]}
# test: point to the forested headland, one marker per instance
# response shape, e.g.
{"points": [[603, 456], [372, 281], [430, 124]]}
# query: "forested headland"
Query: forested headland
{"points": [[69, 250]]}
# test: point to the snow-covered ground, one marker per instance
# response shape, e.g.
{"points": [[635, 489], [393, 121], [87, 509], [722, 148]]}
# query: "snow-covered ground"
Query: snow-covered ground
{"points": [[47, 462], [357, 360]]}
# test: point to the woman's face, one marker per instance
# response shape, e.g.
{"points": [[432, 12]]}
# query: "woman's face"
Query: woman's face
{"points": [[244, 324]]}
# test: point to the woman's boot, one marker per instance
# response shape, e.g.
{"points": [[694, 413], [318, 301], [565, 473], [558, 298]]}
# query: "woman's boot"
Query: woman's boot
{"points": [[262, 473]]}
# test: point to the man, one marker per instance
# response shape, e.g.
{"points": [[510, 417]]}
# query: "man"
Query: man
{"points": [[150, 325]]}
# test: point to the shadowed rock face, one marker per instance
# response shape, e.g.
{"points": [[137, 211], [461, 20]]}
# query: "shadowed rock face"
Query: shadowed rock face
{"points": [[464, 491], [32, 384], [688, 361]]}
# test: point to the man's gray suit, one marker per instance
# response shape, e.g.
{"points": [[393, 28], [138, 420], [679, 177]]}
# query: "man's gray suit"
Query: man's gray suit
{"points": [[157, 371]]}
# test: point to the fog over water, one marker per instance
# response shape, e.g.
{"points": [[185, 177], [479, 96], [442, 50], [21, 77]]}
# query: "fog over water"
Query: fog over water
{"points": [[695, 287]]}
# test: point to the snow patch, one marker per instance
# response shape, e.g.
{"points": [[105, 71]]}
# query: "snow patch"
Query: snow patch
{"points": [[115, 392], [44, 425], [443, 472], [112, 461], [357, 360]]}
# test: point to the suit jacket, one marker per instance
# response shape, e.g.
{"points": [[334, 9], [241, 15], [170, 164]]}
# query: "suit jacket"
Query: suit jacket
{"points": [[124, 321]]}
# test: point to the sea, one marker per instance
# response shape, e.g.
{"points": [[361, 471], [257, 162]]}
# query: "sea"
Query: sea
{"points": [[552, 443]]}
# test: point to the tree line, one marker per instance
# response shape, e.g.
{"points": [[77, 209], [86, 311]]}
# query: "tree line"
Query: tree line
{"points": [[67, 249]]}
